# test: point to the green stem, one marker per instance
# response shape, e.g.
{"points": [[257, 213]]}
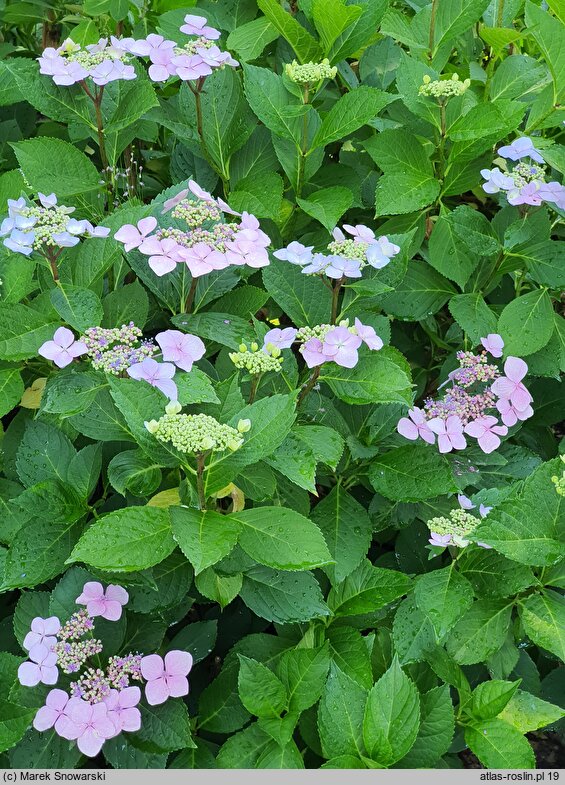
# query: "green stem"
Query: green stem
{"points": [[100, 127], [254, 387], [431, 39], [303, 145], [335, 298], [200, 462], [309, 385], [190, 297], [499, 13], [52, 259]]}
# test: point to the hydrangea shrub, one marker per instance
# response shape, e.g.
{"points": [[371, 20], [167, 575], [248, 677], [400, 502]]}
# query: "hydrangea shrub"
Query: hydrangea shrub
{"points": [[281, 349]]}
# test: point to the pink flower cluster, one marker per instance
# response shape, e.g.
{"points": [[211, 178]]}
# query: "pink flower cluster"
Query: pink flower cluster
{"points": [[462, 412], [201, 250], [348, 255], [103, 62], [196, 59], [525, 183], [115, 351], [101, 704], [340, 344]]}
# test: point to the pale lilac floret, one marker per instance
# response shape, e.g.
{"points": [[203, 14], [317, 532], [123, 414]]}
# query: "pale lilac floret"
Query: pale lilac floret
{"points": [[487, 431], [510, 386], [47, 201], [360, 233], [494, 344], [527, 194], [63, 348], [132, 236], [317, 264], [161, 55], [449, 433], [110, 71], [202, 259], [159, 375], [415, 426], [181, 349], [65, 239], [496, 181], [340, 267], [464, 502], [166, 678], [99, 602], [281, 338], [242, 251], [164, 255], [295, 253], [510, 415], [484, 511], [313, 352], [197, 25], [340, 346], [521, 148], [190, 67], [122, 709], [54, 713], [368, 335], [20, 242], [40, 668], [380, 252], [553, 192], [89, 724], [43, 632], [440, 540]]}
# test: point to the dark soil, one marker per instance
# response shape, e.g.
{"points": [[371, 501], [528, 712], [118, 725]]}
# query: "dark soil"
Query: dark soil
{"points": [[549, 749]]}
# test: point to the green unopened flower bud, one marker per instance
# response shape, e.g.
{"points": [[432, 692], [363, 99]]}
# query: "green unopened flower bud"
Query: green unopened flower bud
{"points": [[243, 426], [242, 347], [254, 347], [173, 407], [443, 88], [273, 350], [152, 426], [207, 443], [234, 445]]}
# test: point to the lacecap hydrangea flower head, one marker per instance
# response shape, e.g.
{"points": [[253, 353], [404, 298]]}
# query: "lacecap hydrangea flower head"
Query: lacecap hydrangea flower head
{"points": [[525, 183], [46, 227], [97, 700], [192, 61], [479, 394], [348, 255], [208, 243], [103, 62]]}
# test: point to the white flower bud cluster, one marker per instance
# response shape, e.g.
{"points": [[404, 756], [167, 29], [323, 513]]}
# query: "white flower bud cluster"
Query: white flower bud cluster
{"points": [[310, 73], [196, 433], [350, 249], [257, 361], [443, 88]]}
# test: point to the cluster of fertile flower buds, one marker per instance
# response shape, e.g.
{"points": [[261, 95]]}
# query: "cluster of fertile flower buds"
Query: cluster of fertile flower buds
{"points": [[43, 227], [525, 183], [257, 361], [201, 249], [325, 342], [106, 62], [458, 527], [559, 482], [116, 350], [347, 255], [443, 89], [310, 73], [198, 434], [101, 703], [477, 388]]}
